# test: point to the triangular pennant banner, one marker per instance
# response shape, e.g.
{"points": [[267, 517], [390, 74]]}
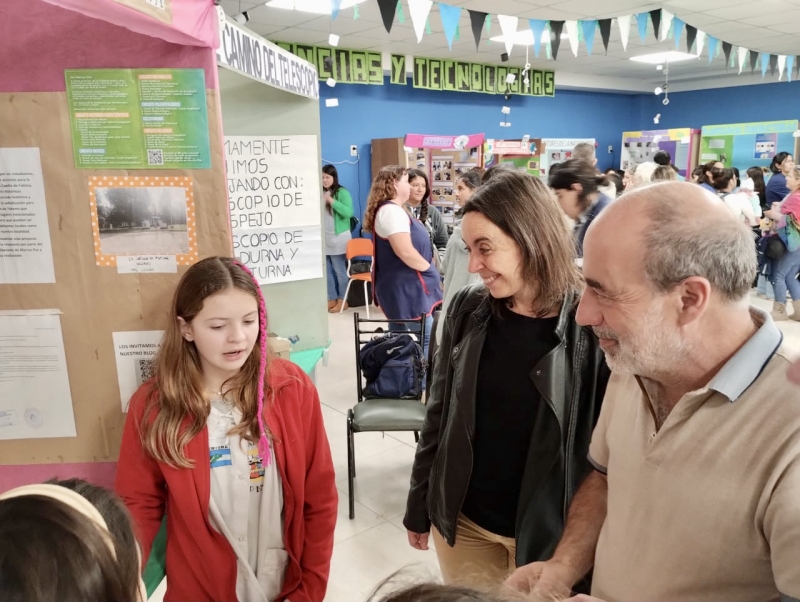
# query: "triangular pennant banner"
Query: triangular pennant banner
{"points": [[477, 19], [773, 64], [556, 27], [797, 64], [401, 15], [355, 12], [428, 26], [336, 6], [641, 23], [789, 67], [726, 49], [691, 36], [419, 10], [753, 60], [712, 48], [605, 32], [764, 64], [589, 27], [732, 62], [508, 25], [450, 16], [781, 65], [701, 42], [667, 18], [388, 9], [537, 29], [624, 23], [572, 36], [655, 16], [678, 25], [458, 33], [742, 58]]}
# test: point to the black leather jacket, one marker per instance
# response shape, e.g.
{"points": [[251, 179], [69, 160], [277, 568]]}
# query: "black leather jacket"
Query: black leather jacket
{"points": [[571, 379]]}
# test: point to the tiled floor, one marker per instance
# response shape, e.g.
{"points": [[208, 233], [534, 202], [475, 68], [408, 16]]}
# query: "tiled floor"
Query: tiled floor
{"points": [[374, 545]]}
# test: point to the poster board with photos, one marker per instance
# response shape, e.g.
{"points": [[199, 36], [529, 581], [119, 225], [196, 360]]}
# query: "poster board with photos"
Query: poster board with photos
{"points": [[682, 144], [524, 154], [96, 301], [446, 167]]}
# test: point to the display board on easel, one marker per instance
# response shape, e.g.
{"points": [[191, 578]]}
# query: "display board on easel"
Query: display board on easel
{"points": [[682, 144]]}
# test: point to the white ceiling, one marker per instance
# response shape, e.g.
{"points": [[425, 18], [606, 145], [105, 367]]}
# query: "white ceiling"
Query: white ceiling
{"points": [[764, 25]]}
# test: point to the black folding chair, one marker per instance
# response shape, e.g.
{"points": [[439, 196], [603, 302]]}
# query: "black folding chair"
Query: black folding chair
{"points": [[379, 414]]}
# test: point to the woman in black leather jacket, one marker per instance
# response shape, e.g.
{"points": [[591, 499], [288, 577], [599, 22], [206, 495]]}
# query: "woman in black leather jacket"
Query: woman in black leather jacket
{"points": [[515, 395]]}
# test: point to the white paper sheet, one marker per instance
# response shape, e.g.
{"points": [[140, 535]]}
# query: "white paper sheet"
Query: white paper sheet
{"points": [[146, 264], [35, 399], [274, 199], [134, 352], [26, 255]]}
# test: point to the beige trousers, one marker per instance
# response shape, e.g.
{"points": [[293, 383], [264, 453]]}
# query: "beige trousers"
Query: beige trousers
{"points": [[480, 559]]}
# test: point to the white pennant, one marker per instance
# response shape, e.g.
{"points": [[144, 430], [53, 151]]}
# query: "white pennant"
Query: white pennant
{"points": [[742, 58], [419, 9], [666, 23], [701, 42], [781, 65], [572, 34], [624, 29], [508, 25]]}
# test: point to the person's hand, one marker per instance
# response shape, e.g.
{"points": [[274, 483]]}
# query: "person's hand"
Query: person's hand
{"points": [[794, 372], [549, 580], [328, 198], [418, 541]]}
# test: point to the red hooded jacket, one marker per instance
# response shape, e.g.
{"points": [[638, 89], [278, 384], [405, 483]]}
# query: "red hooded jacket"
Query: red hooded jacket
{"points": [[201, 564]]}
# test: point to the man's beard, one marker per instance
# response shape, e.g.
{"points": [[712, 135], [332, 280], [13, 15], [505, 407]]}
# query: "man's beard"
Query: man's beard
{"points": [[651, 351]]}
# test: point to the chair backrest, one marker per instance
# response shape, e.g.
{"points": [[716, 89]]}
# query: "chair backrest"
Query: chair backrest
{"points": [[366, 330], [358, 247]]}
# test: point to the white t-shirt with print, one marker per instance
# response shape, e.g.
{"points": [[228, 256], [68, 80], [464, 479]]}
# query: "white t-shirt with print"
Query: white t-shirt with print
{"points": [[391, 219], [246, 506]]}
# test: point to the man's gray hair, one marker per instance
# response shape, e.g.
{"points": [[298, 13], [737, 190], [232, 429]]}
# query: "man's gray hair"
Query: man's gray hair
{"points": [[584, 151], [678, 246]]}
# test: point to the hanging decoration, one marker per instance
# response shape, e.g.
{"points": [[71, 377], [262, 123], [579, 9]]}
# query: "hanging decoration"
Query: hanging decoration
{"points": [[605, 32], [753, 60], [624, 23], [401, 15], [388, 10], [781, 65], [712, 48], [336, 6], [701, 42], [655, 16], [537, 27], [477, 19], [641, 23], [789, 67], [450, 16], [589, 27], [742, 58], [727, 47], [691, 36], [677, 26], [572, 36], [773, 64], [764, 64], [419, 11], [508, 25], [556, 27], [667, 19]]}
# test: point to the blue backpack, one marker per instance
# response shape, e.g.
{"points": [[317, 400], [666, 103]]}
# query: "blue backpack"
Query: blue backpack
{"points": [[393, 366]]}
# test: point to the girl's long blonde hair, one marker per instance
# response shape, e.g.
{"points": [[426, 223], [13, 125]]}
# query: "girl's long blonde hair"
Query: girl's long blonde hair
{"points": [[177, 409], [383, 188]]}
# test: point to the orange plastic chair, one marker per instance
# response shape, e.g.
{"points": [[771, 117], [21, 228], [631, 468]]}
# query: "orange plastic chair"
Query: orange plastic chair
{"points": [[358, 247]]}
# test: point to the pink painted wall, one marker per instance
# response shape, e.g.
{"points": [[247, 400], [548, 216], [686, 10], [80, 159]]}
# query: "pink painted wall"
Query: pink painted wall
{"points": [[38, 41], [99, 473]]}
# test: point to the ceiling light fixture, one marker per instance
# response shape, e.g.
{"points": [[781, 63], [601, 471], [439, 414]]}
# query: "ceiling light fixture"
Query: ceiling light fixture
{"points": [[524, 37], [242, 18], [319, 7], [658, 58]]}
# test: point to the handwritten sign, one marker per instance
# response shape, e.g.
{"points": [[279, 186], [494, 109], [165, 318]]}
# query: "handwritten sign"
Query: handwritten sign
{"points": [[274, 201], [146, 264]]}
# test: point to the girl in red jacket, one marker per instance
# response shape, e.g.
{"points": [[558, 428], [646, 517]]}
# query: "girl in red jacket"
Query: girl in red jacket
{"points": [[229, 444]]}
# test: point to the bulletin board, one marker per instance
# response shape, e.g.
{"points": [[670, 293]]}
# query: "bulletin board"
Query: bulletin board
{"points": [[96, 300], [682, 144], [745, 145], [523, 155]]}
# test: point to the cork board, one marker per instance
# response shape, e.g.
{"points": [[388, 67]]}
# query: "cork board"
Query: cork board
{"points": [[96, 301]]}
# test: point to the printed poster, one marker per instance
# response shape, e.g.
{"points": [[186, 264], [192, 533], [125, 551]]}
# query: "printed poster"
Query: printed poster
{"points": [[134, 352], [138, 118], [274, 196], [26, 254], [143, 224], [35, 398], [766, 146]]}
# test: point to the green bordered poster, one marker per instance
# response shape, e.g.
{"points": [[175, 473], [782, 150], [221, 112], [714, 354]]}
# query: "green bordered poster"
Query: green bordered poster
{"points": [[138, 118]]}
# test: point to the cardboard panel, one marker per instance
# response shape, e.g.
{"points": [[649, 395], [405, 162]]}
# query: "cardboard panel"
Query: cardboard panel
{"points": [[95, 301]]}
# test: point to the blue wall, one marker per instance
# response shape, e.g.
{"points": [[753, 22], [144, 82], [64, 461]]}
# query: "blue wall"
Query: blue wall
{"points": [[388, 111], [392, 111]]}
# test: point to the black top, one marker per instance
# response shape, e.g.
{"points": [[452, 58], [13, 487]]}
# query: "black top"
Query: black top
{"points": [[506, 403]]}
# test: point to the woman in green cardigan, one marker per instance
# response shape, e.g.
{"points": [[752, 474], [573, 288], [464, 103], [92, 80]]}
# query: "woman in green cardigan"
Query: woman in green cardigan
{"points": [[339, 210]]}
